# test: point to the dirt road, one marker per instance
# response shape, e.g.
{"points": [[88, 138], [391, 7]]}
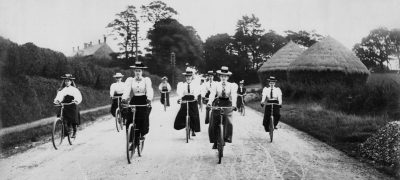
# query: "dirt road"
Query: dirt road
{"points": [[99, 153]]}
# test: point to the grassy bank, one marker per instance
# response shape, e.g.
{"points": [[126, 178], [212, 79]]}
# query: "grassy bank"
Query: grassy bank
{"points": [[342, 131]]}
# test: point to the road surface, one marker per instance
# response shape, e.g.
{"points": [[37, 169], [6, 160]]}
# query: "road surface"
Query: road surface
{"points": [[99, 153]]}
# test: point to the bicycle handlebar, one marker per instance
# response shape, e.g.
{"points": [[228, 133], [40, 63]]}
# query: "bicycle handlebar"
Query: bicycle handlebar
{"points": [[63, 104], [131, 106], [116, 97], [271, 104], [219, 108], [241, 94], [188, 101]]}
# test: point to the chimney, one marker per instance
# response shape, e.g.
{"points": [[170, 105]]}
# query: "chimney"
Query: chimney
{"points": [[78, 48], [73, 49], [105, 38], [90, 43], [99, 41], [84, 45]]}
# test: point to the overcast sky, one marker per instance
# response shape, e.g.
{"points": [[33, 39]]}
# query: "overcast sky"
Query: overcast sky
{"points": [[63, 24]]}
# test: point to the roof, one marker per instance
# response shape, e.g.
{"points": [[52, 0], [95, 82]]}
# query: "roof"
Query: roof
{"points": [[328, 55], [91, 50], [283, 57]]}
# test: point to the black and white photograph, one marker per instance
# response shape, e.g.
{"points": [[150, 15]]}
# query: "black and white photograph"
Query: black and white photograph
{"points": [[200, 89]]}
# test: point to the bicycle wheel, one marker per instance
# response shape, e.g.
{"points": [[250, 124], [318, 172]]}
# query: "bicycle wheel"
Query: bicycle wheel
{"points": [[220, 143], [116, 120], [130, 145], [271, 128], [119, 119], [57, 135], [187, 129], [243, 111], [70, 139]]}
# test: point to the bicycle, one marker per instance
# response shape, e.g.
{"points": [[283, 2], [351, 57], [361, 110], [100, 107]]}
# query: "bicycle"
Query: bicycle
{"points": [[271, 122], [242, 108], [187, 119], [133, 133], [59, 127], [165, 99], [118, 115], [200, 104], [220, 131]]}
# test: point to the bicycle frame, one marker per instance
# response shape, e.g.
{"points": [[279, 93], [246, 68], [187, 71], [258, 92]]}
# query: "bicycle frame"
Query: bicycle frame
{"points": [[271, 122], [165, 99], [187, 119]]}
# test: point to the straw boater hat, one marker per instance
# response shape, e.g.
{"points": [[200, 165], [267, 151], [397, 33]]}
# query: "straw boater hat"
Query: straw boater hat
{"points": [[164, 78], [68, 76], [224, 71], [118, 75], [210, 73], [139, 65], [241, 82], [188, 72], [272, 79]]}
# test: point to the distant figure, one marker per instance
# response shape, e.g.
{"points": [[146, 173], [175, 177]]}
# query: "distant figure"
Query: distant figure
{"points": [[206, 92], [116, 90], [68, 93], [199, 97], [242, 92], [188, 91], [165, 89], [271, 94]]}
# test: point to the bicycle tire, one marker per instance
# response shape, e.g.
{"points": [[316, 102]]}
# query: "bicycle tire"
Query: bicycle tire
{"points": [[244, 111], [140, 144], [116, 120], [271, 128], [70, 139], [220, 144], [130, 135], [57, 135], [187, 129]]}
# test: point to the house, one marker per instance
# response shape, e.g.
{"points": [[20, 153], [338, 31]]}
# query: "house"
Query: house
{"points": [[100, 50]]}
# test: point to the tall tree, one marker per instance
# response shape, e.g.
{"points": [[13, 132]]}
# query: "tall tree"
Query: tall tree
{"points": [[157, 10], [395, 39], [247, 40], [168, 35], [270, 43], [375, 48], [124, 27], [304, 38]]}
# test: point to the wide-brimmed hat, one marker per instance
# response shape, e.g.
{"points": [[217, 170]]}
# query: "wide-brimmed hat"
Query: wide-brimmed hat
{"points": [[241, 82], [272, 79], [164, 78], [68, 76], [118, 75], [210, 73], [189, 72], [138, 65], [224, 71]]}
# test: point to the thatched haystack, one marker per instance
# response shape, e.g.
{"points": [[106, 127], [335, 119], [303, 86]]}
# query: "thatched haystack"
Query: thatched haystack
{"points": [[325, 62], [278, 64]]}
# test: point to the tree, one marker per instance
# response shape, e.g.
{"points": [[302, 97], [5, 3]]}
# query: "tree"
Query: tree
{"points": [[304, 38], [375, 48], [247, 41], [157, 10], [395, 43], [125, 27], [270, 43], [167, 36]]}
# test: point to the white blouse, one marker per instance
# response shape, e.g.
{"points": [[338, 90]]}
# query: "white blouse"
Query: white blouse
{"points": [[206, 87], [182, 89], [276, 94], [160, 87], [71, 91], [117, 88], [230, 91], [134, 87]]}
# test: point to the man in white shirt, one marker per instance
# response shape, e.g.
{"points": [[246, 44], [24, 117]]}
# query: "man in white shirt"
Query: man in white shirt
{"points": [[271, 94], [225, 95]]}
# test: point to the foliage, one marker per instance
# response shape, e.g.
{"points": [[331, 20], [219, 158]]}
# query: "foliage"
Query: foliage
{"points": [[157, 10], [304, 38]]}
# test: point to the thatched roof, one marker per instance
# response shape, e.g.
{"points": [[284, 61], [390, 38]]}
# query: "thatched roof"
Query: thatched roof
{"points": [[282, 58], [328, 55]]}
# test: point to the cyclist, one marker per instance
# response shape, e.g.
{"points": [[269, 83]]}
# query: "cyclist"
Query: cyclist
{"points": [[141, 92], [206, 92], [271, 94], [241, 91], [188, 91], [224, 94], [116, 90], [165, 88], [68, 93], [199, 97]]}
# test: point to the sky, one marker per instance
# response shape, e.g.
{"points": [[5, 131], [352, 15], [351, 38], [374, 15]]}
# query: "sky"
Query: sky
{"points": [[63, 24]]}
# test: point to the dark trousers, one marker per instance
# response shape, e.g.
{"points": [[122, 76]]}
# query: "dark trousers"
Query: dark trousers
{"points": [[216, 119], [162, 99], [141, 115], [267, 116]]}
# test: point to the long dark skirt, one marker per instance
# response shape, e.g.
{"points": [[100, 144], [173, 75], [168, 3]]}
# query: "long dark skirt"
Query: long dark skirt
{"points": [[180, 120], [267, 115], [240, 101], [141, 115], [226, 121], [114, 104], [162, 99], [71, 112]]}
